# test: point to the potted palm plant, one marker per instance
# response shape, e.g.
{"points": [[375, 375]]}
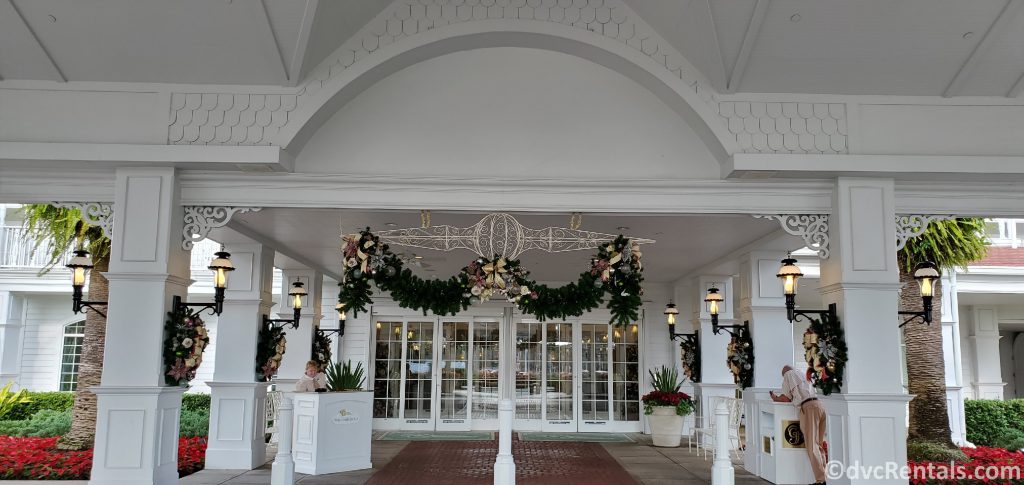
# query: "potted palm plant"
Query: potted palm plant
{"points": [[666, 407], [343, 377]]}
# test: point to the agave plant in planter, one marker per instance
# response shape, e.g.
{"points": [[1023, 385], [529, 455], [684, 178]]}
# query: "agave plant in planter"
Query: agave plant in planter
{"points": [[344, 377], [666, 407]]}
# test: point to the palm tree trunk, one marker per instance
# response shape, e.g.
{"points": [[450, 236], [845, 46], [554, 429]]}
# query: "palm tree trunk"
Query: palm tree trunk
{"points": [[83, 418], [926, 372]]}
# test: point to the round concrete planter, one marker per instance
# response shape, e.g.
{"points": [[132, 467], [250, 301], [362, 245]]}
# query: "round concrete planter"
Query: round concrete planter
{"points": [[666, 426]]}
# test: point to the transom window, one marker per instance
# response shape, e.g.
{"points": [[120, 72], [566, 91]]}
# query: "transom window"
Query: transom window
{"points": [[71, 355]]}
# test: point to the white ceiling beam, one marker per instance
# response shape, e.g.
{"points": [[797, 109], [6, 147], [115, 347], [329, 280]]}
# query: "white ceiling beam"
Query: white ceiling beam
{"points": [[281, 248], [718, 45], [302, 42], [270, 37], [1017, 88], [58, 75], [997, 27], [749, 39]]}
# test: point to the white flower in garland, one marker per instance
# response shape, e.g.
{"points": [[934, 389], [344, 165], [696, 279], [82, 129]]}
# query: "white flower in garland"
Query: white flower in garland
{"points": [[186, 343]]}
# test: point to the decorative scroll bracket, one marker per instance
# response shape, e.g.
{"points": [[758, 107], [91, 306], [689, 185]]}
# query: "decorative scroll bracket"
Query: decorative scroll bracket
{"points": [[813, 228], [500, 234], [909, 226], [99, 214], [200, 220]]}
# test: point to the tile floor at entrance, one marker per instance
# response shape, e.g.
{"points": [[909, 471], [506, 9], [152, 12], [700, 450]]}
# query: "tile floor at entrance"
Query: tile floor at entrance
{"points": [[644, 463]]}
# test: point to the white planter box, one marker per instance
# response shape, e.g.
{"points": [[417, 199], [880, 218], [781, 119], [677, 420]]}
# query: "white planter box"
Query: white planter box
{"points": [[333, 431]]}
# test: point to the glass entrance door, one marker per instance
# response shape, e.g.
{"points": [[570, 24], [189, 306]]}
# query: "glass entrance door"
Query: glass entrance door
{"points": [[560, 382], [454, 382]]}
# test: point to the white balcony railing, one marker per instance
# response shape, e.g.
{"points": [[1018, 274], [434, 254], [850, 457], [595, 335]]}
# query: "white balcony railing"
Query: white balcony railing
{"points": [[16, 251]]}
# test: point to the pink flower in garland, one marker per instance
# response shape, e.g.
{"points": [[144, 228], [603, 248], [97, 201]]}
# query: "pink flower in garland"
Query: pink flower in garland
{"points": [[178, 370]]}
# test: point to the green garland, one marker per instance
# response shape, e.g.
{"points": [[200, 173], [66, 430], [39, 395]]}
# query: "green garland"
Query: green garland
{"points": [[185, 340], [615, 271], [741, 359], [270, 349], [825, 352], [690, 350], [321, 350]]}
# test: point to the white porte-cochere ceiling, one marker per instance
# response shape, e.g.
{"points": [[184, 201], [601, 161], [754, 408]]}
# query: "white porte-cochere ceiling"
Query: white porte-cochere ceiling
{"points": [[683, 243], [909, 47]]}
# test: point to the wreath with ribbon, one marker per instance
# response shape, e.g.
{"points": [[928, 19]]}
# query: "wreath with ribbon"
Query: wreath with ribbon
{"points": [[615, 272], [690, 349], [321, 350], [740, 359], [825, 352], [186, 339], [270, 349]]}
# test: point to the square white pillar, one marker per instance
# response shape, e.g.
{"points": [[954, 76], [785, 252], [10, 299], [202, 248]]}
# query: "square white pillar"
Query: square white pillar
{"points": [[987, 368], [300, 340], [137, 416], [763, 304], [867, 422], [12, 316], [950, 315], [715, 377], [237, 401]]}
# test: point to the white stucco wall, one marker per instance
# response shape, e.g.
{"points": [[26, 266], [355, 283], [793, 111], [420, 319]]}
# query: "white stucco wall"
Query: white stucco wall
{"points": [[508, 112]]}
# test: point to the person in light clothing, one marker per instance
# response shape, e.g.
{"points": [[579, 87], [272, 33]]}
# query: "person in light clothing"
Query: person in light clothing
{"points": [[796, 390], [312, 380]]}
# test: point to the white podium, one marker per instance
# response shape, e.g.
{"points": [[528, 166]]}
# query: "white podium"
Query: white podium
{"points": [[333, 431], [778, 459]]}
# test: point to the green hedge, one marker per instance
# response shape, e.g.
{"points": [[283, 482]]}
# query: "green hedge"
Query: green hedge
{"points": [[45, 423], [195, 402], [194, 423], [53, 401], [995, 423]]}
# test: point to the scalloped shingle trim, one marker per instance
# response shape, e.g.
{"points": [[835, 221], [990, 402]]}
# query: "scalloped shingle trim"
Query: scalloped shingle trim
{"points": [[776, 127]]}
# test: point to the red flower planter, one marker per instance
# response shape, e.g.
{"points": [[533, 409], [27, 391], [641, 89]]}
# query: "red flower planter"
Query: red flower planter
{"points": [[36, 459]]}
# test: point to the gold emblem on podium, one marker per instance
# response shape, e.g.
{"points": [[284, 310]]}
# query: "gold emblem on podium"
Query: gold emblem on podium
{"points": [[792, 436]]}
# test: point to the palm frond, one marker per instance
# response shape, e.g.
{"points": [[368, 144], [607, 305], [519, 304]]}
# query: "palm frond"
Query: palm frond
{"points": [[949, 244], [64, 229]]}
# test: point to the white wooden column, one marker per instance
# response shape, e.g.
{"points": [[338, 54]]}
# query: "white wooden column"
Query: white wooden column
{"points": [[715, 378], [300, 340], [764, 306], [987, 369], [951, 355], [867, 422], [12, 323], [137, 416], [237, 401]]}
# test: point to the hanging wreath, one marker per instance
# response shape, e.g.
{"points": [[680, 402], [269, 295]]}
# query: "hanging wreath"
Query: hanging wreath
{"points": [[691, 359], [321, 350], [186, 338], [269, 351], [740, 359], [825, 352], [616, 270]]}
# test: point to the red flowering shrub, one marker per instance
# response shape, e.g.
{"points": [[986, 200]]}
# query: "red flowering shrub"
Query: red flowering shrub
{"points": [[984, 466], [36, 459], [679, 400]]}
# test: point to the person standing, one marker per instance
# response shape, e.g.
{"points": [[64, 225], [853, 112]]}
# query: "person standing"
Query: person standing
{"points": [[312, 380], [797, 390]]}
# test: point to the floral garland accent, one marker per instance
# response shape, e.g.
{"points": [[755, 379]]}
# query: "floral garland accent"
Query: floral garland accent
{"points": [[186, 338], [690, 348], [616, 271], [269, 352], [741, 359], [321, 350], [825, 352]]}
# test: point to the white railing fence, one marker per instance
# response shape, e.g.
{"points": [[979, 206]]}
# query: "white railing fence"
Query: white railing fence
{"points": [[16, 251]]}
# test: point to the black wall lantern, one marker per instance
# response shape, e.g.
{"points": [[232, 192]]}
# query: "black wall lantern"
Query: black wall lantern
{"points": [[297, 292], [670, 317], [80, 265], [926, 275], [340, 308], [221, 266], [714, 300]]}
